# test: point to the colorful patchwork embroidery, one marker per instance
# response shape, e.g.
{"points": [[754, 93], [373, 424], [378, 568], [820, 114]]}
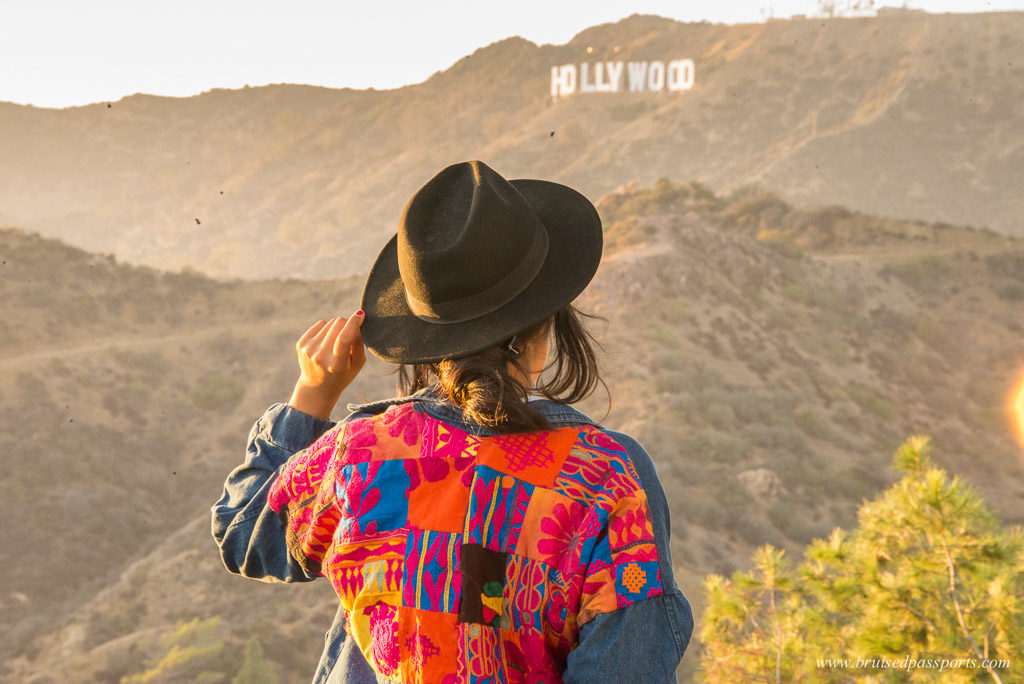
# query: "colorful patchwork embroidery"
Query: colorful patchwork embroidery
{"points": [[433, 576], [497, 507], [461, 558]]}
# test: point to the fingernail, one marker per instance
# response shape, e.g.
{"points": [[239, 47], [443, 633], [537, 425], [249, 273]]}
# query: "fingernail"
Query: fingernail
{"points": [[359, 313]]}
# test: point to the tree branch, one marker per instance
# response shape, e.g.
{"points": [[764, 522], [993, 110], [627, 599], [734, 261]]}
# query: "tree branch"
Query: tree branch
{"points": [[951, 568]]}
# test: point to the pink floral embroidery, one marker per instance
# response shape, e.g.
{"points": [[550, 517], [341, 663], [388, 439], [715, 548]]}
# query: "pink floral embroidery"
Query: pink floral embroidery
{"points": [[404, 421], [358, 497], [560, 547], [623, 525], [359, 441], [433, 469], [530, 660], [384, 632], [586, 530], [563, 606]]}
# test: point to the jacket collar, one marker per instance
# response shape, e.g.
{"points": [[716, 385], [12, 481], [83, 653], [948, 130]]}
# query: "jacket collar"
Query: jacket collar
{"points": [[432, 400]]}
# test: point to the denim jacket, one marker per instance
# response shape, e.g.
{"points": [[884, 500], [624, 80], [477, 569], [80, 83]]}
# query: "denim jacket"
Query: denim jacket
{"points": [[643, 641]]}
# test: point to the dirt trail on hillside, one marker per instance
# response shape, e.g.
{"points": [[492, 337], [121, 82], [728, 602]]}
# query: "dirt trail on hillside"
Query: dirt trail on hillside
{"points": [[150, 342]]}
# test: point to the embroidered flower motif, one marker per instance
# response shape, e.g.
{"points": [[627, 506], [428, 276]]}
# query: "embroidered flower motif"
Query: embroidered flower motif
{"points": [[359, 441], [404, 421], [588, 528], [358, 497], [434, 469], [559, 546], [384, 633], [532, 658], [629, 526]]}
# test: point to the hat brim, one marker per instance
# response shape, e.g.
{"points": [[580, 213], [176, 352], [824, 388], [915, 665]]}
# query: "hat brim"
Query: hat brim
{"points": [[394, 334]]}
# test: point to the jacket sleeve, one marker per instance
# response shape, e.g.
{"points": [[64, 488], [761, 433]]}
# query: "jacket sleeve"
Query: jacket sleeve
{"points": [[644, 639], [251, 536]]}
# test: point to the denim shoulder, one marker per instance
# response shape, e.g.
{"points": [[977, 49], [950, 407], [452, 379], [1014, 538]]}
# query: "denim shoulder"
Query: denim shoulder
{"points": [[620, 645]]}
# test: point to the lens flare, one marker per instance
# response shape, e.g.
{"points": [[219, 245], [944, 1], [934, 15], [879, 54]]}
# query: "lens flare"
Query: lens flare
{"points": [[1017, 409]]}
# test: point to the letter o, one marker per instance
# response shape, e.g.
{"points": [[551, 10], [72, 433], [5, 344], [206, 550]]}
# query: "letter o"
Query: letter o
{"points": [[680, 74], [656, 76], [568, 79]]}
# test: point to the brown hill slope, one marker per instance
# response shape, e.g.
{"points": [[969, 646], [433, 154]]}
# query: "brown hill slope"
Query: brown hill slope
{"points": [[906, 114], [771, 358], [807, 342], [125, 393]]}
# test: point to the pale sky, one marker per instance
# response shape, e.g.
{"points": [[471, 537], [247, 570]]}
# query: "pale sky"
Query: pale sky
{"points": [[73, 52]]}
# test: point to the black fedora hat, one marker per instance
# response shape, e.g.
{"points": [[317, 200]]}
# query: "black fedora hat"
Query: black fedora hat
{"points": [[477, 258]]}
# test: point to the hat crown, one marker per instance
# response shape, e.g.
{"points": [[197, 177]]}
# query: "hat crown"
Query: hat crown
{"points": [[468, 243]]}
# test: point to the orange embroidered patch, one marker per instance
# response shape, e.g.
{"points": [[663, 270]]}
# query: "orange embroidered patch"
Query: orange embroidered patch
{"points": [[439, 492], [534, 457]]}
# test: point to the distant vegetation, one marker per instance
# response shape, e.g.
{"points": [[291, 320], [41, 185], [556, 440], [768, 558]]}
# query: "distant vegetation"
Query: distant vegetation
{"points": [[190, 652], [217, 392], [754, 212]]}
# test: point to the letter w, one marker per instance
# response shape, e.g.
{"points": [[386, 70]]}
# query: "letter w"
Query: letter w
{"points": [[637, 77]]}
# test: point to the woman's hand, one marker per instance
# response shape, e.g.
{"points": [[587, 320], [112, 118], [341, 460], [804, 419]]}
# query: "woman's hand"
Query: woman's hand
{"points": [[331, 354]]}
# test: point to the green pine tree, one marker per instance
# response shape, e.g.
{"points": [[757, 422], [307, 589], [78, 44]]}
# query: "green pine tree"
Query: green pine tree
{"points": [[757, 623], [929, 575]]}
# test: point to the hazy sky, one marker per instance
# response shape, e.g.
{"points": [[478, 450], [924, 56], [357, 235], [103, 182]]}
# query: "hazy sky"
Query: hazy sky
{"points": [[72, 52]]}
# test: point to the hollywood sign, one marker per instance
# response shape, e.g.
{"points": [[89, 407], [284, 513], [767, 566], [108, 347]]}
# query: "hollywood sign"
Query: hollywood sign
{"points": [[615, 77]]}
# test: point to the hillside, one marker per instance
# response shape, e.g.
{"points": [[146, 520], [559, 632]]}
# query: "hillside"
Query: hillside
{"points": [[784, 352], [126, 396], [770, 358], [905, 115]]}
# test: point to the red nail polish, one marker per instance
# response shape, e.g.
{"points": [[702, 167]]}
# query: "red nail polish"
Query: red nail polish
{"points": [[359, 313]]}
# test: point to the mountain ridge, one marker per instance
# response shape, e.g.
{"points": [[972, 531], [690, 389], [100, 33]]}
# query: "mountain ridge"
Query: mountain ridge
{"points": [[904, 115]]}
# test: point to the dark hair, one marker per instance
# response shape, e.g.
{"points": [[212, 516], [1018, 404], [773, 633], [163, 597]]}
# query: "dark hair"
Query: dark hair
{"points": [[488, 394]]}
